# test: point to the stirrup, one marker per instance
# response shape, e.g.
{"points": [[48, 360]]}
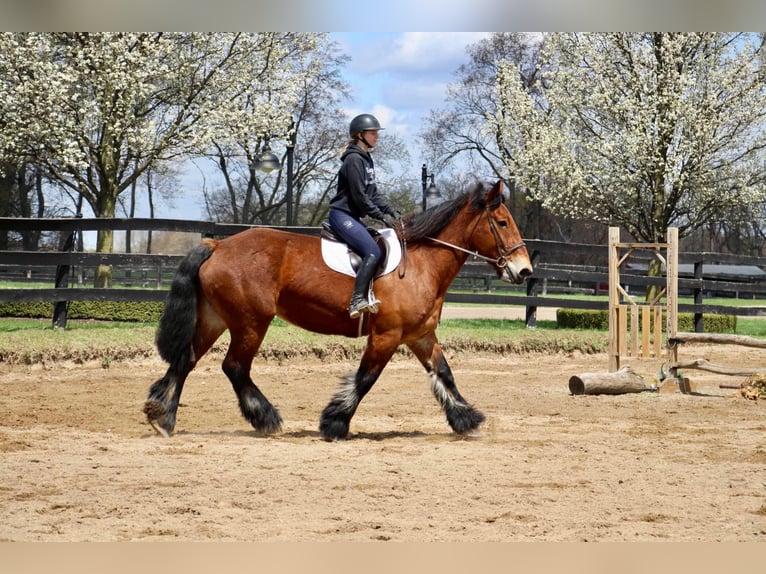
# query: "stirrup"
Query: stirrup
{"points": [[371, 305]]}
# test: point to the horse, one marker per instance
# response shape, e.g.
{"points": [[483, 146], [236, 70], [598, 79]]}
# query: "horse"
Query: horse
{"points": [[243, 281]]}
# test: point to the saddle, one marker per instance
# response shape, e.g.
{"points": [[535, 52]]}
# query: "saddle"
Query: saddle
{"points": [[340, 257]]}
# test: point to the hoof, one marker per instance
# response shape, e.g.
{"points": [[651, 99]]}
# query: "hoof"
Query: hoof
{"points": [[160, 430], [263, 417], [333, 429], [157, 416], [464, 420]]}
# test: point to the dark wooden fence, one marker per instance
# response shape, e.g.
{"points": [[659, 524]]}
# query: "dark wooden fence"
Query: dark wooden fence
{"points": [[558, 268]]}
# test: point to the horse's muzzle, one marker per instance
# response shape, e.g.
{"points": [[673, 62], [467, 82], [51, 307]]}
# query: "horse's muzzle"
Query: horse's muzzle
{"points": [[512, 273]]}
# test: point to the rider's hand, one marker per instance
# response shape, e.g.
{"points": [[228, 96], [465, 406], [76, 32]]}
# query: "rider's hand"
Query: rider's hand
{"points": [[389, 221]]}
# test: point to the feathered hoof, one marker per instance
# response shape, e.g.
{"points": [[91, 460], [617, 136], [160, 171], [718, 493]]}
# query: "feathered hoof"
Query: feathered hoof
{"points": [[157, 416], [333, 429], [265, 419], [464, 420]]}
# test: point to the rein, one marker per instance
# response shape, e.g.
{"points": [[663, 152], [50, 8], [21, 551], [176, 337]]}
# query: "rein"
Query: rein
{"points": [[500, 261], [403, 243], [503, 252]]}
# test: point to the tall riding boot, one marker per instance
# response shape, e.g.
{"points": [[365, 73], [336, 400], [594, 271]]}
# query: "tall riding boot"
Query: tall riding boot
{"points": [[359, 301]]}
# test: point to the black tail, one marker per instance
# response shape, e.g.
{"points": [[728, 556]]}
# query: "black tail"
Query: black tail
{"points": [[179, 319]]}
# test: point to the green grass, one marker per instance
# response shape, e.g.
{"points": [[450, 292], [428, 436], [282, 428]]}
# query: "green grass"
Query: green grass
{"points": [[727, 301], [35, 341], [117, 283], [751, 327], [26, 285], [28, 341]]}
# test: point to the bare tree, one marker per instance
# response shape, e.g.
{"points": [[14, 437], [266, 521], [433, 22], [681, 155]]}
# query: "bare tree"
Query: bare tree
{"points": [[21, 195], [461, 130]]}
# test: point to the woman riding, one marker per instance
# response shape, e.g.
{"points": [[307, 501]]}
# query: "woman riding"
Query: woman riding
{"points": [[357, 196]]}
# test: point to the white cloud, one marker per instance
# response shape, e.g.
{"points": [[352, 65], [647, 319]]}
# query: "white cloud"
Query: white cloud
{"points": [[389, 117], [432, 53], [400, 77]]}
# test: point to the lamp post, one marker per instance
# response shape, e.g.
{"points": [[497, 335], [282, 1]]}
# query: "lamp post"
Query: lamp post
{"points": [[289, 194], [268, 161], [430, 192]]}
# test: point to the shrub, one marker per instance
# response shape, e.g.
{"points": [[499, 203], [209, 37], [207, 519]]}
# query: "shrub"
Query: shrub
{"points": [[597, 319], [582, 319], [130, 311]]}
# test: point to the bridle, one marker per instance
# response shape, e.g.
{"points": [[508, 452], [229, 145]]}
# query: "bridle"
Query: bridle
{"points": [[503, 252]]}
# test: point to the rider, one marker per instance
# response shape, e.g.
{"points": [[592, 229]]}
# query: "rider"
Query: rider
{"points": [[357, 196]]}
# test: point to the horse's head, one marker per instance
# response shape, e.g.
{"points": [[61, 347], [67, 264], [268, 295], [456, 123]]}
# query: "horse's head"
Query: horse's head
{"points": [[497, 237], [486, 229]]}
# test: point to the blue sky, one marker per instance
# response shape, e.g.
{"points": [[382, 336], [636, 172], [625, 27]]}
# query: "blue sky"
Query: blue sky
{"points": [[399, 77]]}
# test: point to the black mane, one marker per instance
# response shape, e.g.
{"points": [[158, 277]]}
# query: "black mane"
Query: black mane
{"points": [[434, 219]]}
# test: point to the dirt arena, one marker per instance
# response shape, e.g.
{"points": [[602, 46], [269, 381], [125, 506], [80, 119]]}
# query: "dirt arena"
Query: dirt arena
{"points": [[79, 462]]}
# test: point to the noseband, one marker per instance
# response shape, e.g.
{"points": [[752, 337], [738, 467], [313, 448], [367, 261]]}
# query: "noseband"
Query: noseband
{"points": [[502, 252]]}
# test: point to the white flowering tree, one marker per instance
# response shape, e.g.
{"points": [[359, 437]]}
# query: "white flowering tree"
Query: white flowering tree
{"points": [[96, 111], [644, 131], [308, 67], [317, 130], [459, 129]]}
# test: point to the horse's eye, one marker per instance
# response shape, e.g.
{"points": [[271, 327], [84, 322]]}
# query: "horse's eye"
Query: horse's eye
{"points": [[502, 223]]}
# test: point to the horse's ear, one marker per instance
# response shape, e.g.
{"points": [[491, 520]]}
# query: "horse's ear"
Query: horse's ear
{"points": [[495, 195]]}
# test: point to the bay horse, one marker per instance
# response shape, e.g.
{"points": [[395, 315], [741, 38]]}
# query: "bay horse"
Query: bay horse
{"points": [[242, 282]]}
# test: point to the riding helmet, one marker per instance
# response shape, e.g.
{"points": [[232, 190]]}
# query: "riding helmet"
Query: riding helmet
{"points": [[363, 122]]}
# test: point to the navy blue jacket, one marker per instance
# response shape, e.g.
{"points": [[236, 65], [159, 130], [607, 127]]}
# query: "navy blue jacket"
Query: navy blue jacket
{"points": [[357, 192]]}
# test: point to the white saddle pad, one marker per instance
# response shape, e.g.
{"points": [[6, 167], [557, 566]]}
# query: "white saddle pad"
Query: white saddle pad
{"points": [[336, 254]]}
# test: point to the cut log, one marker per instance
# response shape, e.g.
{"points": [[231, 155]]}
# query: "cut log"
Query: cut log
{"points": [[617, 383]]}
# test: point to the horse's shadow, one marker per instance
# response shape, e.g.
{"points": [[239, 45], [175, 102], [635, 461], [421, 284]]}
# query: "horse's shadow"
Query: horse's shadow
{"points": [[316, 435]]}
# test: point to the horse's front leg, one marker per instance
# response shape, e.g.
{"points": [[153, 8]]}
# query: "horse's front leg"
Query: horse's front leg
{"points": [[461, 416], [336, 416]]}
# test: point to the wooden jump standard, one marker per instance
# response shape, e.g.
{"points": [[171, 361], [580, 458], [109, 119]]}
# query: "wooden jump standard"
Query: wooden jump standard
{"points": [[645, 332], [626, 343], [646, 315]]}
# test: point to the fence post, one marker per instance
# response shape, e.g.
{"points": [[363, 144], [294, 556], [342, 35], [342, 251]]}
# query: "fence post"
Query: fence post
{"points": [[699, 321], [531, 310], [671, 298], [61, 308]]}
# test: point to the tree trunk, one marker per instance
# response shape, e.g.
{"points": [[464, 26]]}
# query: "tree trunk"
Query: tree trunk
{"points": [[107, 201], [719, 338], [655, 270], [150, 196], [6, 199], [104, 244]]}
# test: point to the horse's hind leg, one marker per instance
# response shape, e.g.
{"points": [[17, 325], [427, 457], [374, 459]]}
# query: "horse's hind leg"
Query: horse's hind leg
{"points": [[336, 416], [162, 403], [461, 416], [164, 395], [253, 404]]}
